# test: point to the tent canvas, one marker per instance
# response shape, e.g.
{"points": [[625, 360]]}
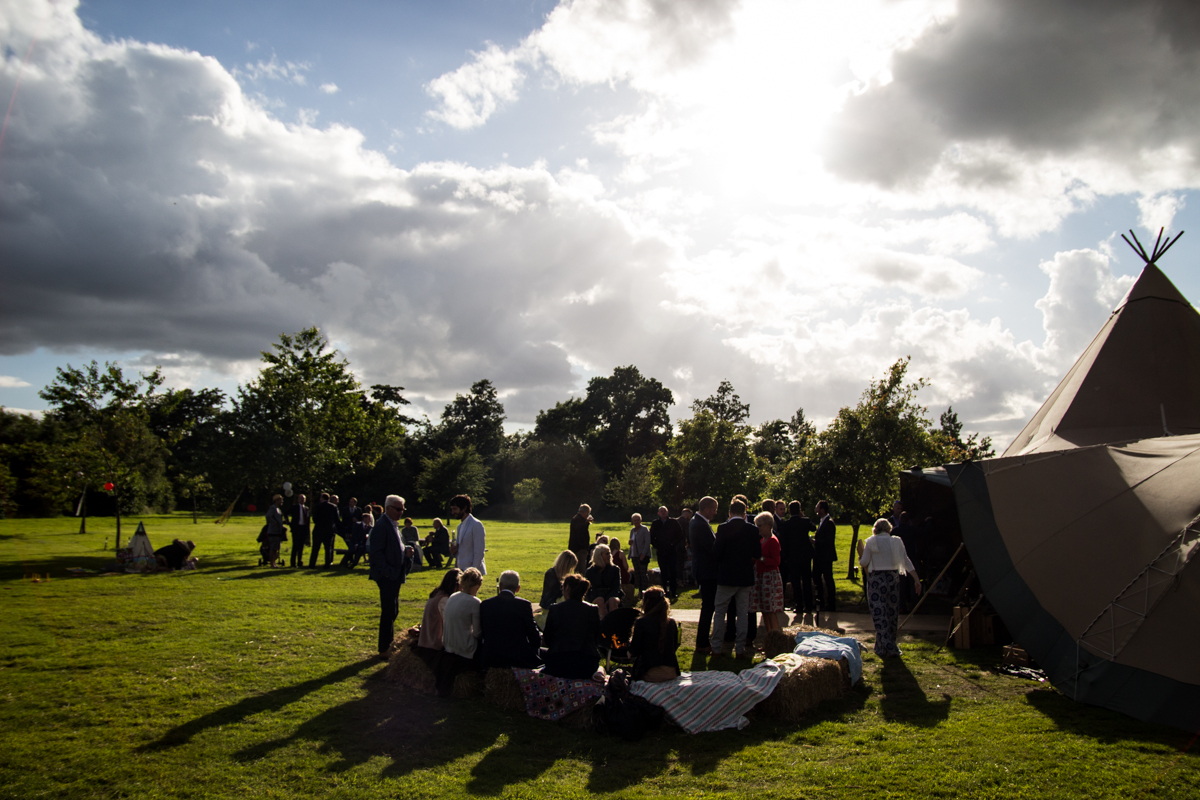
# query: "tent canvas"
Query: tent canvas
{"points": [[1083, 534]]}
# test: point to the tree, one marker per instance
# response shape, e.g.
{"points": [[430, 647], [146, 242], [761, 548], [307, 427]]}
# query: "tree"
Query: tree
{"points": [[709, 456], [855, 461], [460, 470], [110, 441], [724, 405], [528, 496], [306, 419], [635, 488], [952, 448], [192, 487], [568, 474], [773, 443], [801, 431], [476, 419]]}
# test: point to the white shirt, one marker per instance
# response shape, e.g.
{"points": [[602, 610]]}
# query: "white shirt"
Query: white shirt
{"points": [[460, 625], [471, 544], [882, 552]]}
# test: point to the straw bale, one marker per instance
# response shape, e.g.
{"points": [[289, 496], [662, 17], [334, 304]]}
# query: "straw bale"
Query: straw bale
{"points": [[407, 668], [630, 599], [806, 683], [784, 640], [467, 685], [500, 687]]}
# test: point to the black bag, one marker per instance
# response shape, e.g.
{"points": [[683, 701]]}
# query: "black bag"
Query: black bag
{"points": [[624, 714], [262, 535]]}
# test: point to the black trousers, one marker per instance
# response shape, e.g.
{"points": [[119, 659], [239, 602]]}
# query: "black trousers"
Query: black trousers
{"points": [[450, 665], [297, 559], [708, 599], [823, 578], [667, 570], [800, 574], [320, 540], [389, 608]]}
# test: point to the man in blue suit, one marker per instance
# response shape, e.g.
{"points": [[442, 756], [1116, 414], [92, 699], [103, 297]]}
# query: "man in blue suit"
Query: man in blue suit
{"points": [[510, 636]]}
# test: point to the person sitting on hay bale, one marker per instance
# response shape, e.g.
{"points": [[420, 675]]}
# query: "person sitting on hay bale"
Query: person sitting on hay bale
{"points": [[605, 580], [552, 581], [176, 555], [510, 636], [572, 629], [429, 642], [460, 632], [656, 637], [437, 544]]}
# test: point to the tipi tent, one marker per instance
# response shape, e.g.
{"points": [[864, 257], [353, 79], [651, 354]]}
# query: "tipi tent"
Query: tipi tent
{"points": [[1083, 533]]}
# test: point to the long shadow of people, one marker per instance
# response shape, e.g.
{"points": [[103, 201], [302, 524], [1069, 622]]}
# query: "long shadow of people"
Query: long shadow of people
{"points": [[903, 700], [247, 707]]}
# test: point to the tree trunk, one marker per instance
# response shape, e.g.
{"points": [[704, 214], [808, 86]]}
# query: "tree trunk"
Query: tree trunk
{"points": [[195, 521], [853, 552], [83, 513], [117, 497]]}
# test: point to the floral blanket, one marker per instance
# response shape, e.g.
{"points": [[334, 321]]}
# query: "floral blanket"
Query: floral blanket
{"points": [[551, 698]]}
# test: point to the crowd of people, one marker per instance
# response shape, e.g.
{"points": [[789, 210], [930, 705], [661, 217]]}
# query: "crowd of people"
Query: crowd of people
{"points": [[741, 570]]}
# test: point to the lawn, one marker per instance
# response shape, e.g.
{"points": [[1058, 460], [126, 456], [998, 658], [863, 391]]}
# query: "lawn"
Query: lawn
{"points": [[248, 682]]}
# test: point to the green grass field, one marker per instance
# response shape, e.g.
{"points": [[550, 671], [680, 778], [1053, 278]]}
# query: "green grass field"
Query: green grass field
{"points": [[247, 682]]}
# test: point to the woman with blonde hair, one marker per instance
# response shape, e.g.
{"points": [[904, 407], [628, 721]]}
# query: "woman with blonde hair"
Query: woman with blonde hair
{"points": [[766, 597], [885, 563], [552, 583], [605, 580]]}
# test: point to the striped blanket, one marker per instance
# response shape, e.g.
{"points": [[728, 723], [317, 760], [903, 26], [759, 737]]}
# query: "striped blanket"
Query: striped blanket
{"points": [[712, 701]]}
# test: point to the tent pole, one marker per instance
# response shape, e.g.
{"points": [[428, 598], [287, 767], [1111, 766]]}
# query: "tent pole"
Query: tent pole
{"points": [[961, 545]]}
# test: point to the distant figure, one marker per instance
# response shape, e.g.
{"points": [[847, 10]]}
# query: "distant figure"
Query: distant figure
{"points": [[824, 554], [797, 545], [552, 581], [704, 566], [572, 630], [656, 637], [412, 539], [605, 580], [681, 547], [885, 564], [639, 550], [276, 533], [437, 544], [470, 535], [460, 632], [767, 597], [326, 521], [619, 560], [430, 639], [176, 555], [666, 536], [388, 568], [735, 549], [580, 537], [510, 636], [300, 522]]}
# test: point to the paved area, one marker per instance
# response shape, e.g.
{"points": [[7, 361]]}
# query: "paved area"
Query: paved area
{"points": [[853, 624]]}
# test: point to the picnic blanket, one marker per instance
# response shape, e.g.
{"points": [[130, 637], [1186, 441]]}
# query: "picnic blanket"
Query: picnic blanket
{"points": [[551, 698], [712, 701], [822, 645]]}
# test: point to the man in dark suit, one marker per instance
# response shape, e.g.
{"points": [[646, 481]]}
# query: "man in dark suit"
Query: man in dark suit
{"points": [[326, 521], [824, 554], [736, 547], [666, 536], [580, 537], [797, 548], [510, 636], [300, 520], [704, 568], [388, 567]]}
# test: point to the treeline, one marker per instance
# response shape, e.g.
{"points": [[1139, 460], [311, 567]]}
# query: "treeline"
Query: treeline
{"points": [[115, 444]]}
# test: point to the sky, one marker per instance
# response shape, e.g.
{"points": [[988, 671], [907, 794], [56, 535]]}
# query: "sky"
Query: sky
{"points": [[787, 195]]}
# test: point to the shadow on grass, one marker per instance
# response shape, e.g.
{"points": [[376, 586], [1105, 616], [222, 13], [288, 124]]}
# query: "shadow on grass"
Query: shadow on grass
{"points": [[903, 700], [1104, 725], [270, 701]]}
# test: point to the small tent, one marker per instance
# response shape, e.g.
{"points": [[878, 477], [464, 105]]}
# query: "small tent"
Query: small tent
{"points": [[1083, 532]]}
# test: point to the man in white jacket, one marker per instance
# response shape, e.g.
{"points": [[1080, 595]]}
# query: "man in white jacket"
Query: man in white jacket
{"points": [[470, 535]]}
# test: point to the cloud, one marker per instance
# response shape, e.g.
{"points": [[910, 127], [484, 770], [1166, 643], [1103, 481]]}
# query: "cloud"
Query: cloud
{"points": [[474, 91], [1051, 80], [10, 382], [275, 70], [329, 88]]}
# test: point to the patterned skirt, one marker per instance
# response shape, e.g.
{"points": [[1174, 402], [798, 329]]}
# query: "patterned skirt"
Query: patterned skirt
{"points": [[883, 595], [767, 594]]}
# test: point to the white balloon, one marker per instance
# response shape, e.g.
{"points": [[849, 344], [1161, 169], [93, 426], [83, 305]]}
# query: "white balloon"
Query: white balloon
{"points": [[287, 487], [287, 492]]}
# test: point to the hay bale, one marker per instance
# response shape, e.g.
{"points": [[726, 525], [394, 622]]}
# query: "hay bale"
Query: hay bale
{"points": [[500, 686], [466, 685], [784, 640], [407, 668], [806, 683], [630, 598]]}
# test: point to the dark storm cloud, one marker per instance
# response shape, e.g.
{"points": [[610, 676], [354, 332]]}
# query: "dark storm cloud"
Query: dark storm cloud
{"points": [[1044, 76]]}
